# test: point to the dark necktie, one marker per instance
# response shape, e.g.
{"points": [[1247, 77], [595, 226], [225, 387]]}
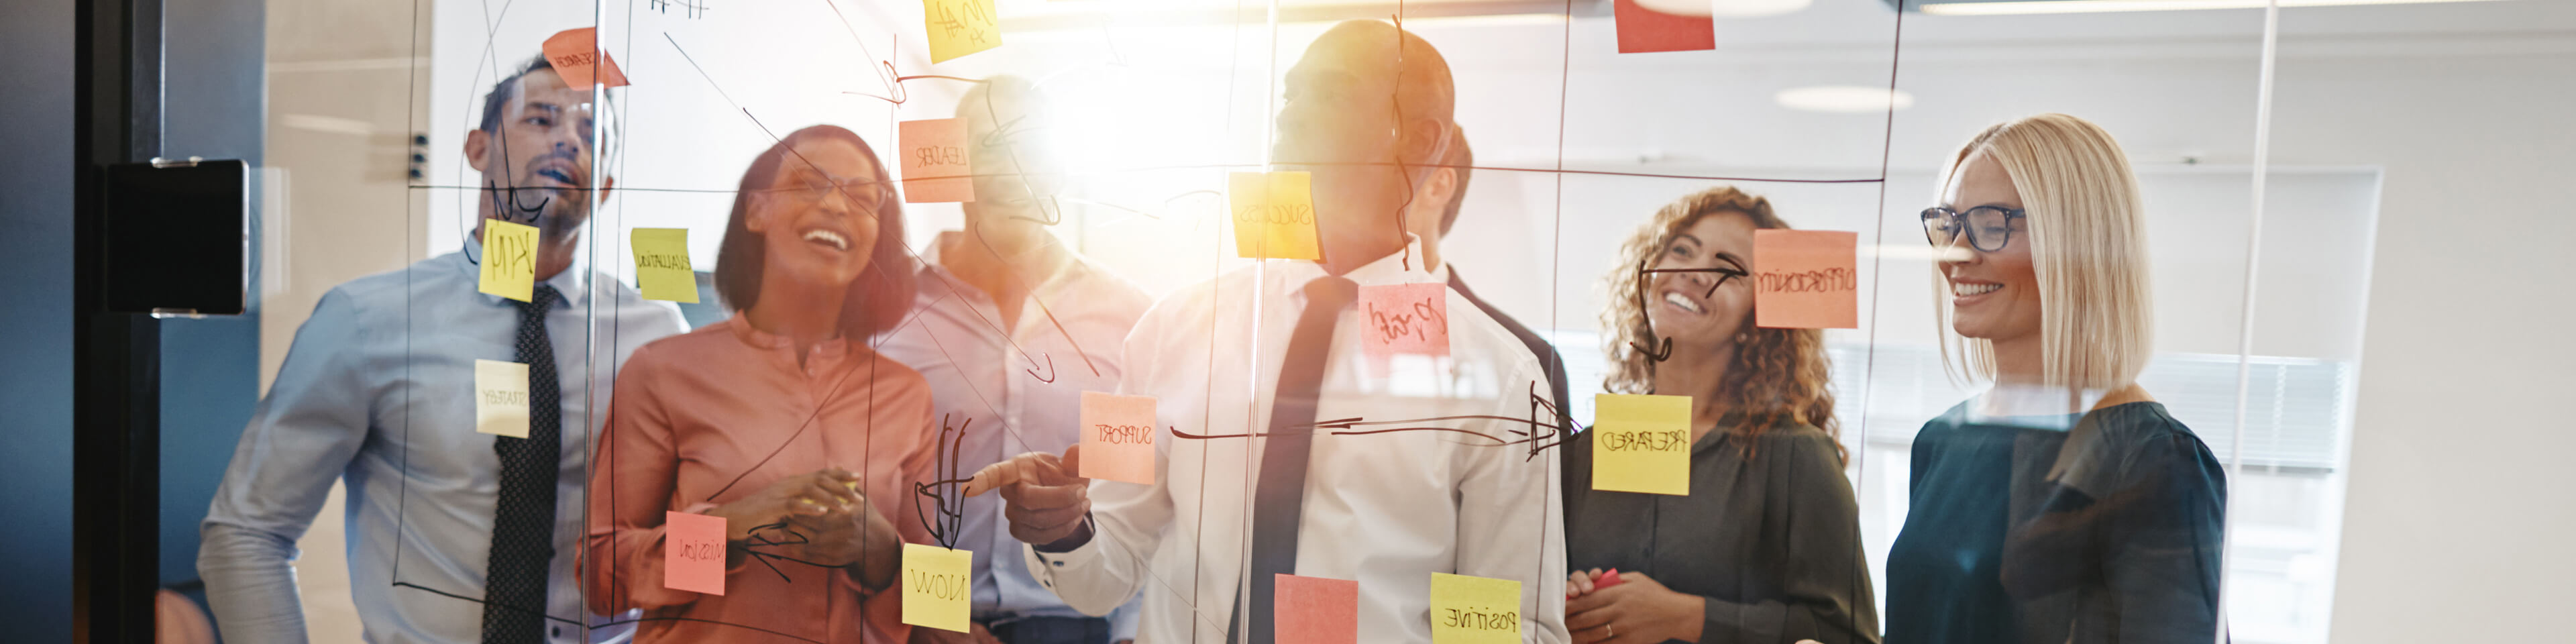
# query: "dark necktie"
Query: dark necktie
{"points": [[523, 523], [1281, 496]]}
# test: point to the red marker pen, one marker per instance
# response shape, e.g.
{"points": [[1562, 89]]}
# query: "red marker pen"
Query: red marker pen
{"points": [[1607, 579]]}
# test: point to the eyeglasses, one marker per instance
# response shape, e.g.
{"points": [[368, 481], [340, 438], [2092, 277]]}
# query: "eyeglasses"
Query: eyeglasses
{"points": [[1988, 227]]}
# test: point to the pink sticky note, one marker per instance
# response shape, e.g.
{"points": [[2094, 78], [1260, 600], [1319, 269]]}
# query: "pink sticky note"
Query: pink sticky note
{"points": [[1806, 279], [1405, 318], [1315, 610], [1644, 30], [1117, 437], [693, 553], [576, 56], [935, 165]]}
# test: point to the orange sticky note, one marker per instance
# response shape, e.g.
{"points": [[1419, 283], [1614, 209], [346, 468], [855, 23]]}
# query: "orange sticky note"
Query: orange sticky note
{"points": [[1406, 318], [1315, 610], [693, 552], [1117, 437], [1474, 610], [1806, 279], [935, 166], [576, 56], [936, 583], [1644, 30], [960, 27], [1641, 443], [1274, 215]]}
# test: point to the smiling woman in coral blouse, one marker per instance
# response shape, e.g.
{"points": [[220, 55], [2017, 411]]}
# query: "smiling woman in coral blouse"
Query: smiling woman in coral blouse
{"points": [[780, 420]]}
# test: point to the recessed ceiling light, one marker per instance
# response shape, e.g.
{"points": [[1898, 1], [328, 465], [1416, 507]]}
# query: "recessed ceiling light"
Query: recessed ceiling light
{"points": [[1844, 99], [1995, 8], [1725, 8]]}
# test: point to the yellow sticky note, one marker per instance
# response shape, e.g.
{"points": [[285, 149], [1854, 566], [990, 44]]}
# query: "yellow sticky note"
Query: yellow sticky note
{"points": [[1274, 215], [1474, 610], [1641, 444], [501, 398], [509, 259], [662, 265], [960, 27], [937, 586]]}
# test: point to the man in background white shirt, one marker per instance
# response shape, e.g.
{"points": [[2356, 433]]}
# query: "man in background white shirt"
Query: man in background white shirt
{"points": [[1010, 327], [1366, 106]]}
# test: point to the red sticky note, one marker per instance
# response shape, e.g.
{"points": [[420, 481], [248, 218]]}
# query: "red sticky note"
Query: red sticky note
{"points": [[1315, 610], [935, 166], [693, 552], [1117, 437], [1806, 279], [576, 56], [1405, 318], [1646, 30]]}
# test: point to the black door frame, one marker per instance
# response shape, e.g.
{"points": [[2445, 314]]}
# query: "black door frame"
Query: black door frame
{"points": [[116, 366]]}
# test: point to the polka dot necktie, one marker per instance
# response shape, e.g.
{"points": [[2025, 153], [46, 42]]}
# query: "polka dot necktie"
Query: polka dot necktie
{"points": [[523, 534]]}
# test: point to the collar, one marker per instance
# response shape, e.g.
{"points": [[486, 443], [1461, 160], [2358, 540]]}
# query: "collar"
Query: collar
{"points": [[1072, 266], [568, 282], [1401, 267], [822, 355]]}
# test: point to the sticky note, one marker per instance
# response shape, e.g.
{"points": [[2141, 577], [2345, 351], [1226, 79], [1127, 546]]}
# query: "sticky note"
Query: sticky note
{"points": [[509, 259], [1641, 443], [576, 56], [662, 265], [1274, 215], [935, 165], [1315, 610], [1405, 318], [501, 398], [960, 27], [936, 587], [693, 552], [1117, 437], [1806, 279], [1474, 610], [1643, 30]]}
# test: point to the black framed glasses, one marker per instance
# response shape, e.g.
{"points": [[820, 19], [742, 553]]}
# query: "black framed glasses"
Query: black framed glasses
{"points": [[1988, 228]]}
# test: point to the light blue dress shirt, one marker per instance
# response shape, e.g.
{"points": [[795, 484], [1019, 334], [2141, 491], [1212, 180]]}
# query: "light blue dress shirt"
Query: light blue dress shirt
{"points": [[377, 389], [954, 337]]}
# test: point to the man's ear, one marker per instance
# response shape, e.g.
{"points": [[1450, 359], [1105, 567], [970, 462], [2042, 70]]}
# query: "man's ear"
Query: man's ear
{"points": [[477, 144], [607, 184], [1444, 186]]}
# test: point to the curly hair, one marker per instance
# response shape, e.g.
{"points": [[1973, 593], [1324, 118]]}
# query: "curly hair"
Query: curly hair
{"points": [[1778, 375]]}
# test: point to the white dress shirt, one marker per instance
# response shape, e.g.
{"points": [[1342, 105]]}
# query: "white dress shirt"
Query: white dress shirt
{"points": [[378, 388], [1384, 509], [1001, 382]]}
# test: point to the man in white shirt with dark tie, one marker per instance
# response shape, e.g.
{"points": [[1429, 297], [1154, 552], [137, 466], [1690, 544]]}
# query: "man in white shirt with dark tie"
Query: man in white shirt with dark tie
{"points": [[1420, 465]]}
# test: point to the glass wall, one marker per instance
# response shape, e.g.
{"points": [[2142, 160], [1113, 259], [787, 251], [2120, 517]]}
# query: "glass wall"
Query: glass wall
{"points": [[825, 291]]}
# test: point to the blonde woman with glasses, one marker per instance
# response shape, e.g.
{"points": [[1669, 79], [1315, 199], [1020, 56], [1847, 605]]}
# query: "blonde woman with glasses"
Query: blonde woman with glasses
{"points": [[2063, 505]]}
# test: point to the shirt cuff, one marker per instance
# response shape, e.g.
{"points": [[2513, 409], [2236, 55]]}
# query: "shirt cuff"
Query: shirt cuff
{"points": [[1045, 566]]}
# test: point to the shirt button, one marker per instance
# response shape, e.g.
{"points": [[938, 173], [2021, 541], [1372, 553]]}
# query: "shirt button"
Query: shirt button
{"points": [[559, 631]]}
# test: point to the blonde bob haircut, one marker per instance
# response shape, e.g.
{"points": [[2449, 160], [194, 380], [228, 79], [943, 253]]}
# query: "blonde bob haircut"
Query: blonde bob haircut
{"points": [[2088, 245]]}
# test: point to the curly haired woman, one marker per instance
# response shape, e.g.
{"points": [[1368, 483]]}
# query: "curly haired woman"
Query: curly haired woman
{"points": [[1766, 548]]}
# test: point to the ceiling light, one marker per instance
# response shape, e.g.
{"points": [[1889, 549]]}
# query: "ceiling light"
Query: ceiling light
{"points": [[2003, 7], [1844, 99], [1724, 8]]}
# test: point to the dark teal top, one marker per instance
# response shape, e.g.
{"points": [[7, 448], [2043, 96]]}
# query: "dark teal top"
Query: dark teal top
{"points": [[2100, 528], [1769, 538]]}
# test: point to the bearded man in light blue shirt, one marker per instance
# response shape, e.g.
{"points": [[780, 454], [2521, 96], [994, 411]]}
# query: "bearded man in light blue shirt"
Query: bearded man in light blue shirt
{"points": [[454, 536]]}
